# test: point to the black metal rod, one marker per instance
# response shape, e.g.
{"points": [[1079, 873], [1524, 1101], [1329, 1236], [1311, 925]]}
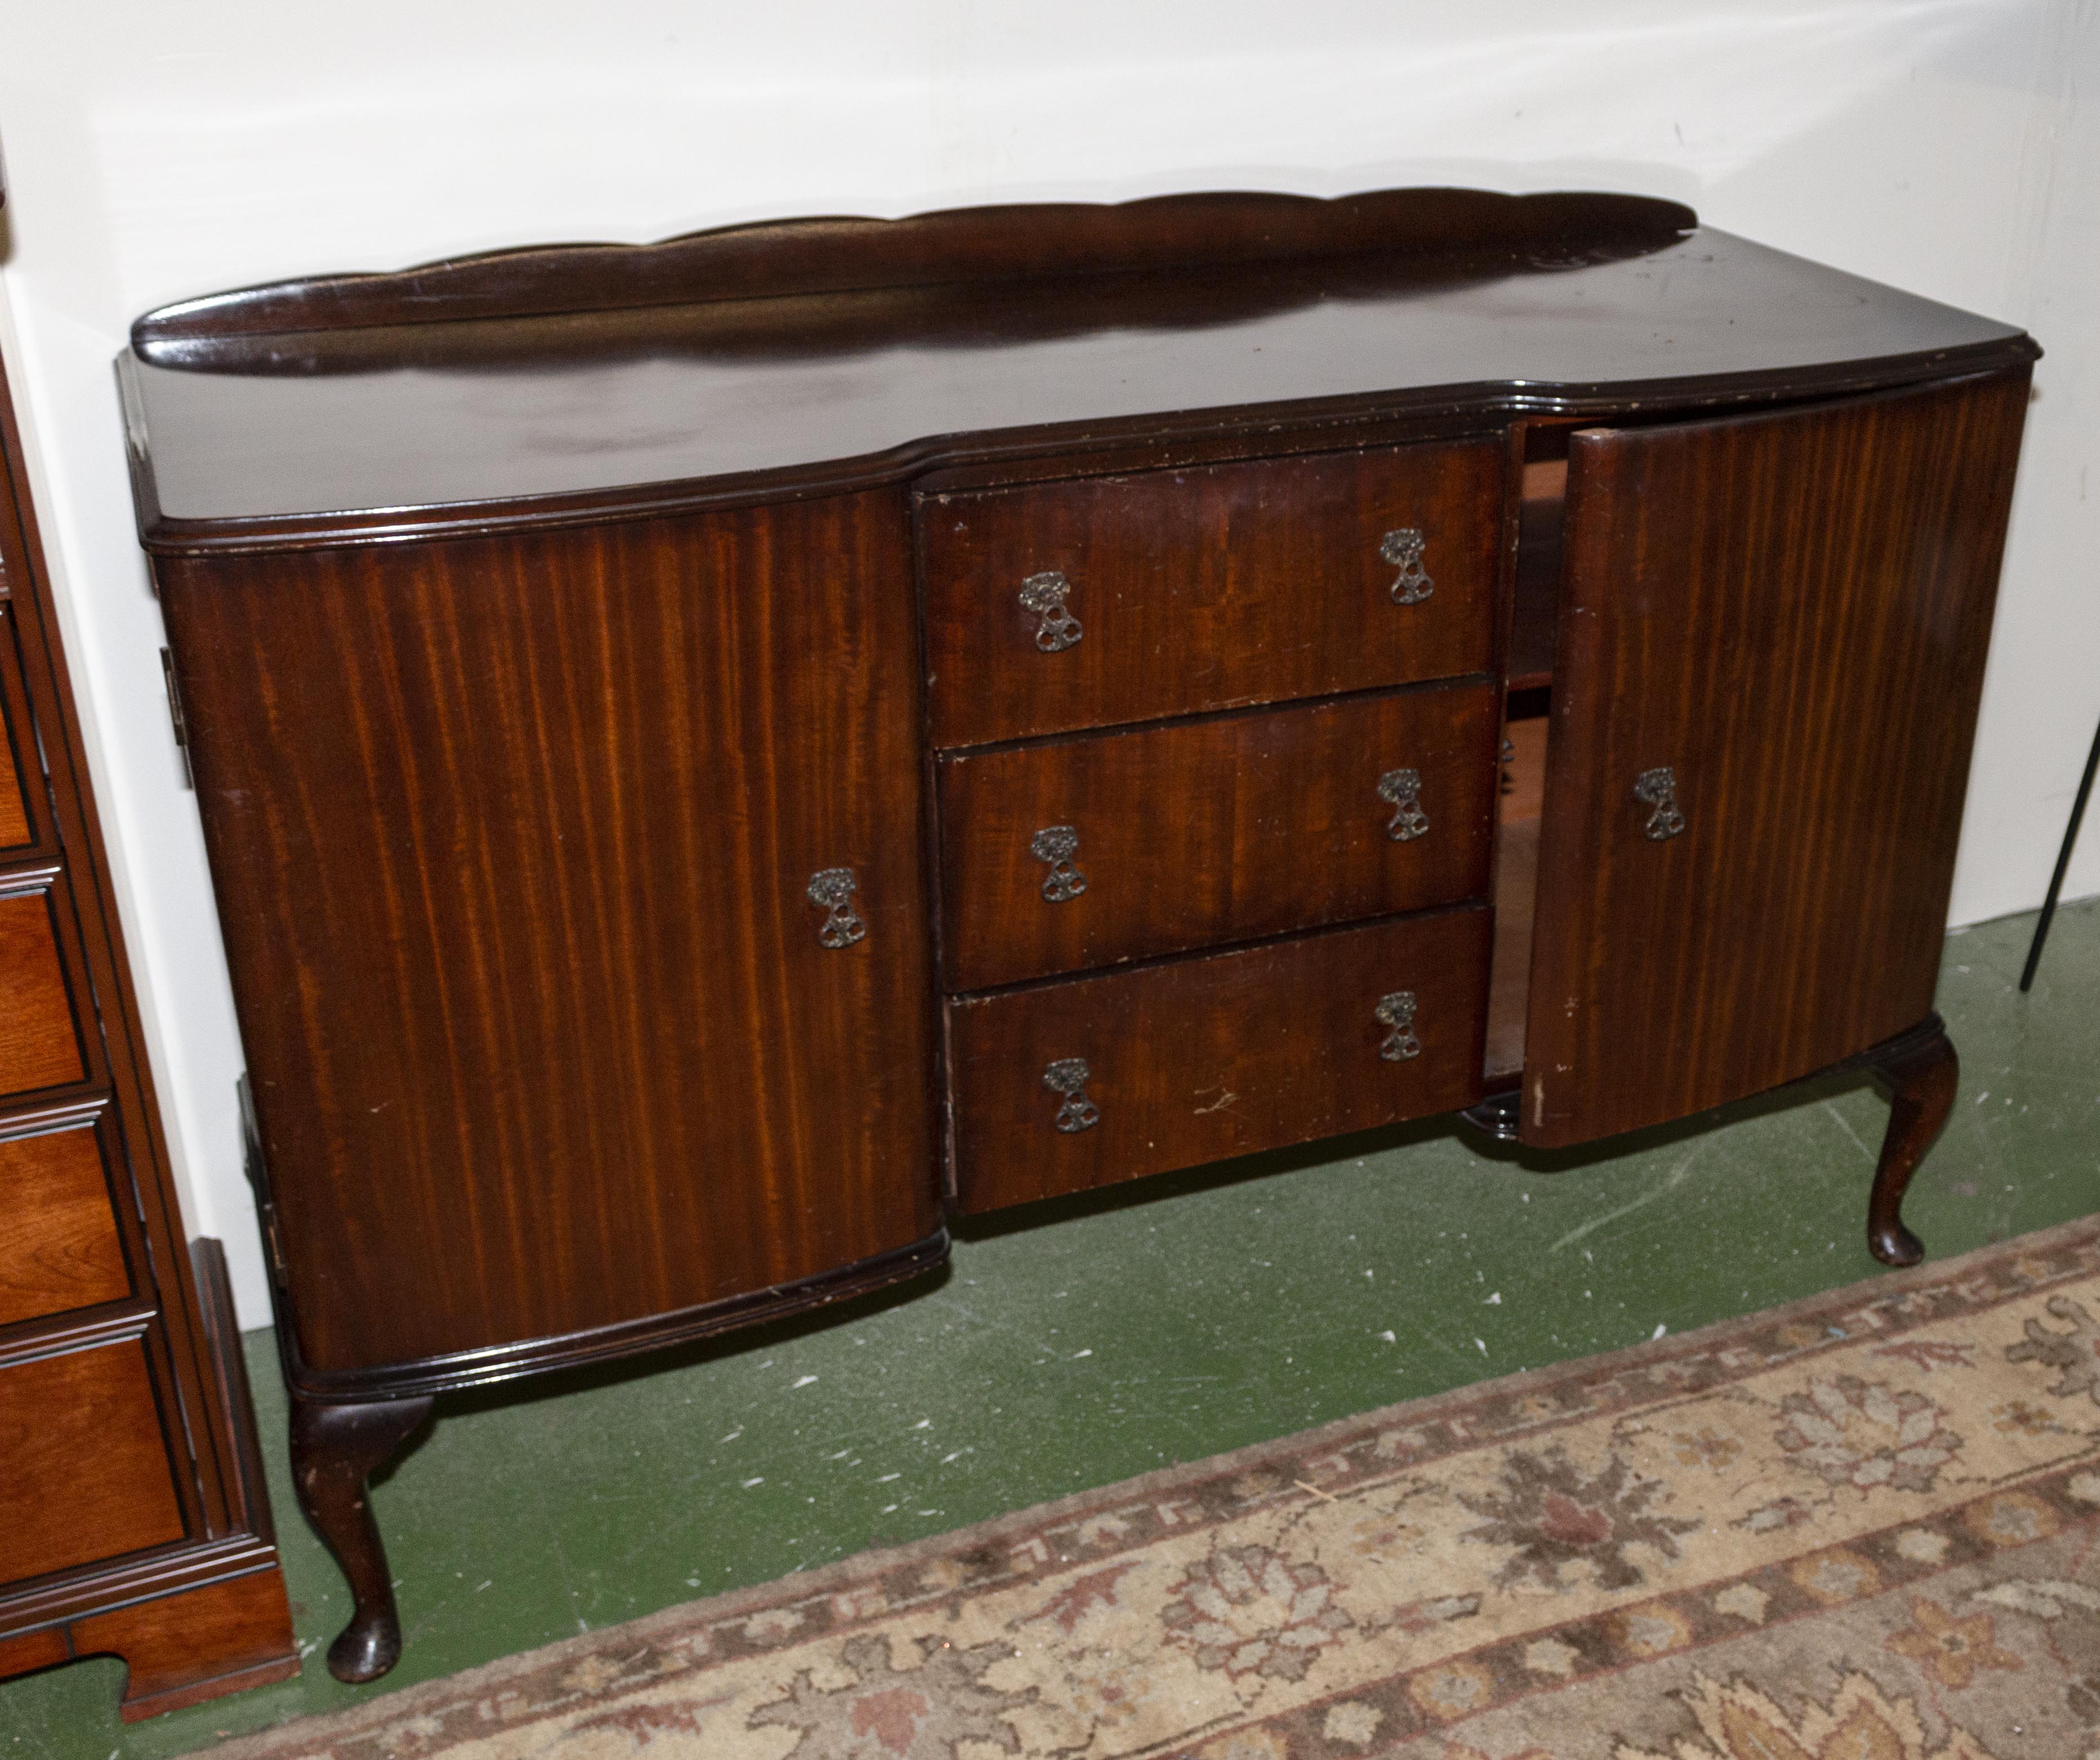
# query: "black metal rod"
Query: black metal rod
{"points": [[2062, 863]]}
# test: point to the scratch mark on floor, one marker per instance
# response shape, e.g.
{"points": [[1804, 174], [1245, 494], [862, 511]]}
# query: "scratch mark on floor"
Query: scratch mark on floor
{"points": [[1844, 1126], [567, 1582], [1669, 1183]]}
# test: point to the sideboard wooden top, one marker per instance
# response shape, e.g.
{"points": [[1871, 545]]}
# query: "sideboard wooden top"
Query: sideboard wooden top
{"points": [[569, 382]]}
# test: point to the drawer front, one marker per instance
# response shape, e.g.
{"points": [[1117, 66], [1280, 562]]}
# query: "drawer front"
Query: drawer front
{"points": [[1176, 591], [1077, 1085], [15, 828], [59, 1244], [1083, 852], [83, 1466], [39, 1045]]}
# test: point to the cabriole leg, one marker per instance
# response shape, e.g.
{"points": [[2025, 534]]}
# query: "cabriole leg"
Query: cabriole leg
{"points": [[1920, 1070], [335, 1448]]}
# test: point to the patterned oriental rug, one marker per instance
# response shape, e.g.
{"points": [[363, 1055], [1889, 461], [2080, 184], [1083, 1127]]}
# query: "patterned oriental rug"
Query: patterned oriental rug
{"points": [[1860, 1527]]}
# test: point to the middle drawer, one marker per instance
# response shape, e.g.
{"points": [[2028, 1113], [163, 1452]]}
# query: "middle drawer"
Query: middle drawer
{"points": [[1086, 852], [60, 1247]]}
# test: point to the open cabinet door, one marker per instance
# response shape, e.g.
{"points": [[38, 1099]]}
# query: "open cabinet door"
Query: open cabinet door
{"points": [[1772, 631]]}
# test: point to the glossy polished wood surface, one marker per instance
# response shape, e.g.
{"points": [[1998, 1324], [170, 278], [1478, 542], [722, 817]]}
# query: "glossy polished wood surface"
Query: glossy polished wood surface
{"points": [[129, 1476], [1195, 1059], [190, 1621], [60, 1247], [1200, 833], [40, 1649], [87, 1472], [1922, 1074], [15, 828], [337, 430], [39, 1045], [1791, 610], [779, 259], [59, 900], [335, 1450], [513, 841], [1192, 588], [240, 1627], [548, 620]]}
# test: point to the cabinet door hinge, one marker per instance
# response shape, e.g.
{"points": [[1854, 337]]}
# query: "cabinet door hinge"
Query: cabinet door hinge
{"points": [[175, 715], [258, 1183], [273, 1246]]}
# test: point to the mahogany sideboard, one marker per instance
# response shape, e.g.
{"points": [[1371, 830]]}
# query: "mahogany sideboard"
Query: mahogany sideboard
{"points": [[134, 1519], [718, 755]]}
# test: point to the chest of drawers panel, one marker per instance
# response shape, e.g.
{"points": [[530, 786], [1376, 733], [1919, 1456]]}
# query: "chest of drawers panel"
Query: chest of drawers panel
{"points": [[1086, 852], [40, 1044], [132, 1509], [1058, 606], [87, 1469], [14, 828], [59, 1248]]}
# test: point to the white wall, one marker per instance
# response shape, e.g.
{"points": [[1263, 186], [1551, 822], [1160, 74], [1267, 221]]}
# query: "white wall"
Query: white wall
{"points": [[155, 152]]}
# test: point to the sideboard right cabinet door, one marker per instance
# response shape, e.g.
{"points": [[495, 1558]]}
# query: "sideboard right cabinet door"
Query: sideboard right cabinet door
{"points": [[1772, 631]]}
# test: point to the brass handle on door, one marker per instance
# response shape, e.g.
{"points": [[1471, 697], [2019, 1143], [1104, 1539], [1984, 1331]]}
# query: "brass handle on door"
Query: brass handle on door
{"points": [[1658, 788], [833, 889]]}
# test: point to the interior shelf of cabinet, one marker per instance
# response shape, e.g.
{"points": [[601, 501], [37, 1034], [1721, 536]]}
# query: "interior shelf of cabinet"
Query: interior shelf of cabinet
{"points": [[1537, 565], [1523, 791], [1516, 882]]}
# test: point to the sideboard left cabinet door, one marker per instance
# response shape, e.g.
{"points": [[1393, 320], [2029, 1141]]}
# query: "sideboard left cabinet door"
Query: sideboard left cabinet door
{"points": [[1772, 631], [575, 895]]}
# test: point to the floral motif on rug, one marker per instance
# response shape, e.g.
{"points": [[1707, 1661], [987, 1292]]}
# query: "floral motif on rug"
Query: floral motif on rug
{"points": [[1860, 1527]]}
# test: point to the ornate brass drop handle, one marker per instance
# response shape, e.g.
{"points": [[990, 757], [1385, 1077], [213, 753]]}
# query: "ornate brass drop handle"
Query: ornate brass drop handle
{"points": [[1402, 790], [1403, 548], [1657, 788], [1068, 1076], [1397, 1012], [1044, 595], [833, 889], [1058, 845]]}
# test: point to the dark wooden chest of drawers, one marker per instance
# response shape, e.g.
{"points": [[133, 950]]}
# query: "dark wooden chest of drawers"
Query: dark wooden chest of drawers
{"points": [[133, 1517], [717, 755]]}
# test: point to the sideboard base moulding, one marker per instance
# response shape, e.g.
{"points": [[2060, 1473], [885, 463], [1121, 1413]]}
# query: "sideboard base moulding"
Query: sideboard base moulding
{"points": [[718, 756]]}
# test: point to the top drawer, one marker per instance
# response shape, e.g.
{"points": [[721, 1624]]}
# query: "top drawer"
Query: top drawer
{"points": [[1061, 606]]}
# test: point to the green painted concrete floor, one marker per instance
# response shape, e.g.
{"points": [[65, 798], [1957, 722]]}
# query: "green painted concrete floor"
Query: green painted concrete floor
{"points": [[1089, 1341]]}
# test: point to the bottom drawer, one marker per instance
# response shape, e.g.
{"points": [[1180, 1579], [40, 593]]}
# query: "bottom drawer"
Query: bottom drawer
{"points": [[83, 1469], [1067, 1086]]}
